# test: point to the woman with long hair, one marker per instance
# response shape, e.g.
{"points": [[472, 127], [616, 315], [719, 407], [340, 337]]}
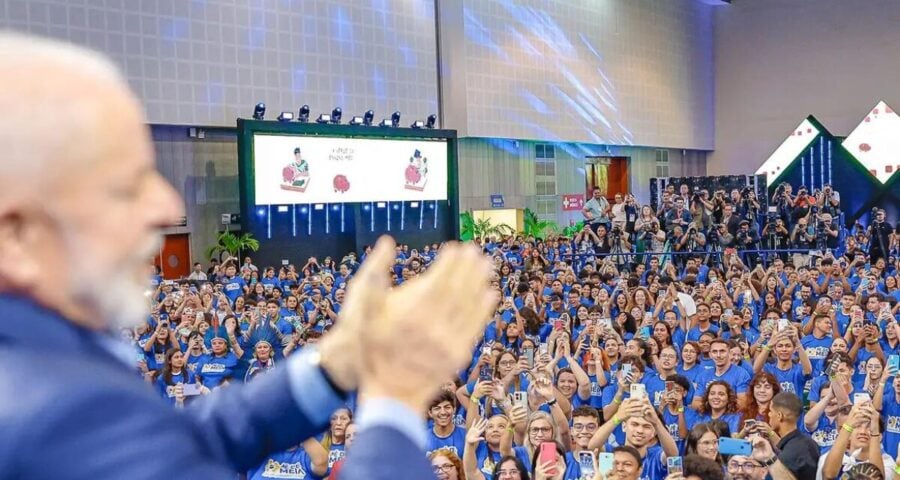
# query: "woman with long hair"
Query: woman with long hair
{"points": [[703, 440], [763, 388], [174, 373], [510, 468], [333, 441], [720, 403]]}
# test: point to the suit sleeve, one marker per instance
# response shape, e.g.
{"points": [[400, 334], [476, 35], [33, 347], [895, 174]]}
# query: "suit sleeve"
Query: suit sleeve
{"points": [[383, 453]]}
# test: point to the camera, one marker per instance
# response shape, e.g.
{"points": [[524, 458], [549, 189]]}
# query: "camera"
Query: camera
{"points": [[814, 209]]}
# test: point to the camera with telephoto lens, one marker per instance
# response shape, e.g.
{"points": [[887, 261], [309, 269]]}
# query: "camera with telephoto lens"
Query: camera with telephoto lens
{"points": [[746, 191], [615, 230]]}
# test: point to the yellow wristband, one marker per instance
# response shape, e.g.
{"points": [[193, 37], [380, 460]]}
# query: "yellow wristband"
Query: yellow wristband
{"points": [[897, 469], [617, 400], [847, 428], [680, 409], [616, 420]]}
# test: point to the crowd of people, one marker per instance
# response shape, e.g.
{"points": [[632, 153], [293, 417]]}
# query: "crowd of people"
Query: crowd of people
{"points": [[594, 366], [701, 221]]}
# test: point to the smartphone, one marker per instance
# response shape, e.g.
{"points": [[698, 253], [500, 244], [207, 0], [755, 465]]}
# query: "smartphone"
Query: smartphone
{"points": [[831, 369], [543, 348], [734, 446], [520, 398], [648, 316], [529, 355], [547, 455], [749, 424], [674, 465], [586, 464], [486, 350], [191, 389], [558, 324], [626, 370], [728, 312], [606, 322], [893, 362], [638, 390], [605, 462], [783, 324], [646, 332], [670, 386], [486, 374], [859, 398]]}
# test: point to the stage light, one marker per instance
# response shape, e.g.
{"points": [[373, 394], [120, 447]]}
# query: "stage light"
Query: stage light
{"points": [[396, 207], [432, 119], [335, 207], [324, 118], [366, 207], [304, 210], [417, 124], [259, 111], [261, 211], [286, 116], [395, 119], [368, 118], [385, 123], [304, 114], [336, 115], [356, 120]]}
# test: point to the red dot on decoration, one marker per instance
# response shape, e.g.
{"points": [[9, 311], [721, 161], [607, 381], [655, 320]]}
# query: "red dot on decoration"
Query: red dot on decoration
{"points": [[888, 110], [873, 172], [888, 168], [778, 168], [799, 133], [864, 147], [875, 111], [808, 130], [868, 119]]}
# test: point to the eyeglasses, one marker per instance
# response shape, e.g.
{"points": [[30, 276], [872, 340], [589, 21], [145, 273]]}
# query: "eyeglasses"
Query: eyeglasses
{"points": [[580, 426], [747, 467], [540, 430], [508, 363], [668, 355], [442, 468], [506, 473]]}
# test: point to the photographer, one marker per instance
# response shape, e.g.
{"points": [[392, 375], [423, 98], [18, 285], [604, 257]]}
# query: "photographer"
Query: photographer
{"points": [[802, 205], [747, 239], [775, 235], [693, 239], [648, 235], [748, 206], [699, 210], [678, 215], [879, 234], [803, 237], [829, 201], [828, 232], [719, 236], [718, 208]]}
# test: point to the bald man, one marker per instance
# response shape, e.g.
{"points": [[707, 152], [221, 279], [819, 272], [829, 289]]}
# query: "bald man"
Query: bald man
{"points": [[81, 206]]}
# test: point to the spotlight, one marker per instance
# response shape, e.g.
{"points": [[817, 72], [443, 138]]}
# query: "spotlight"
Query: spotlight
{"points": [[304, 114], [417, 124], [356, 120], [368, 118], [286, 116], [432, 119], [385, 123], [395, 119], [324, 118], [261, 211], [336, 115], [259, 111]]}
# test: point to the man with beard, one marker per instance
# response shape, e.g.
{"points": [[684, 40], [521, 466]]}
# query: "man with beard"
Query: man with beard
{"points": [[80, 197]]}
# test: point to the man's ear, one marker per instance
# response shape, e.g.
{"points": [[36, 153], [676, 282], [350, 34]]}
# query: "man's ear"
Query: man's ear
{"points": [[18, 239]]}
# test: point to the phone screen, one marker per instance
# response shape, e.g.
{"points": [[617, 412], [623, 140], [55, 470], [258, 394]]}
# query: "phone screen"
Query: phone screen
{"points": [[529, 355], [586, 463], [605, 462], [674, 465], [547, 455]]}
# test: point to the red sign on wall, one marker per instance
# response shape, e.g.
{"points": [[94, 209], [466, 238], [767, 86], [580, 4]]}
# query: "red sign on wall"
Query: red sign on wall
{"points": [[572, 202]]}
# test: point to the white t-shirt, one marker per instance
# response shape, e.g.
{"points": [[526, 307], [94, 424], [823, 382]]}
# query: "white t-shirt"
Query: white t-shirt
{"points": [[850, 461]]}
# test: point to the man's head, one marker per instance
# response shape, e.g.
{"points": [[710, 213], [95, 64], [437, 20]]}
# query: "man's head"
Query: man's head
{"points": [[700, 468], [598, 194], [784, 412], [741, 467], [585, 421], [442, 409], [627, 463], [76, 143], [719, 352]]}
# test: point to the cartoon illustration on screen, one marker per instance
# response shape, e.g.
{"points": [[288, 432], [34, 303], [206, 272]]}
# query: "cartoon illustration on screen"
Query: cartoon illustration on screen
{"points": [[417, 172], [295, 176]]}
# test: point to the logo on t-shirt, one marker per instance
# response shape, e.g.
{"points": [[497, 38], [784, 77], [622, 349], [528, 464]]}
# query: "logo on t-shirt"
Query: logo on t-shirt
{"points": [[213, 368], [284, 470]]}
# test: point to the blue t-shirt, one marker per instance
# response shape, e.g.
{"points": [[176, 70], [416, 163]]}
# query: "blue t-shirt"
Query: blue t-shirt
{"points": [[335, 453], [455, 442], [694, 334], [890, 412], [234, 287], [167, 390], [485, 459], [791, 380], [653, 465], [213, 370], [737, 377], [816, 349], [294, 464], [824, 434]]}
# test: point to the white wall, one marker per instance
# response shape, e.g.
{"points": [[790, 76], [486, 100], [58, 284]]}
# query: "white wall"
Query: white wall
{"points": [[635, 72], [777, 61], [207, 62]]}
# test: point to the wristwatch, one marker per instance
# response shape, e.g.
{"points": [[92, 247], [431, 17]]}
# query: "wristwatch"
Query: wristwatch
{"points": [[769, 462]]}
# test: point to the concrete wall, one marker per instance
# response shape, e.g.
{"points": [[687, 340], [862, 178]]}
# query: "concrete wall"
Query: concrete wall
{"points": [[778, 61]]}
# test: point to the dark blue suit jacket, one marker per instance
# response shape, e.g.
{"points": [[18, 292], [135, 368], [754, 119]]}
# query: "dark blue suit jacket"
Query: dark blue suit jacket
{"points": [[70, 409]]}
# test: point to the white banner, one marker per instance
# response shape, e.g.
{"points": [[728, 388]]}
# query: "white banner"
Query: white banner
{"points": [[292, 169]]}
